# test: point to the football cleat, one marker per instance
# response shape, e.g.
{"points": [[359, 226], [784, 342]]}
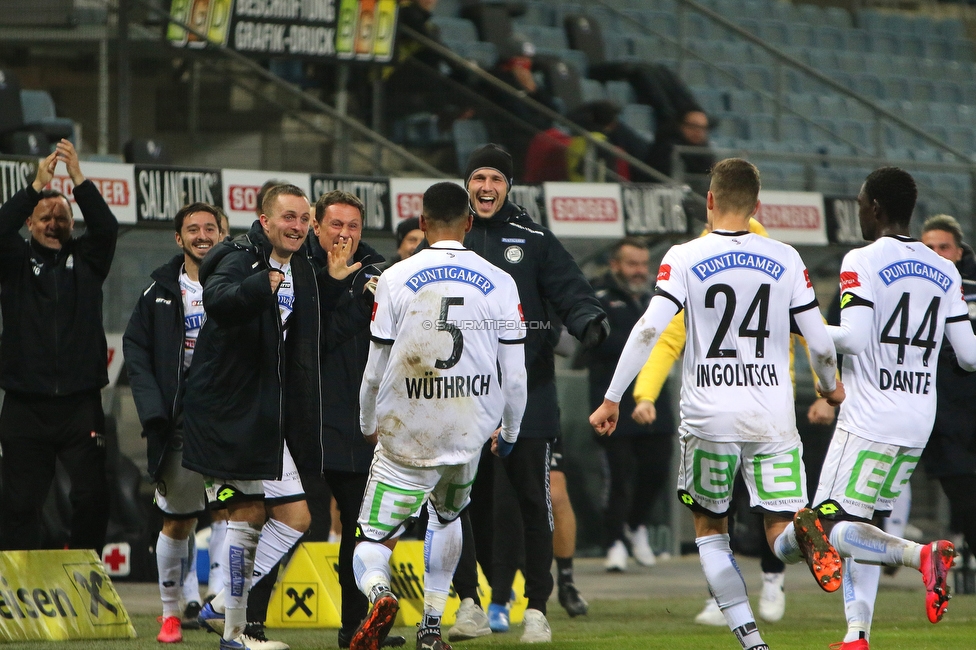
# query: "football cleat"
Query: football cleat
{"points": [[498, 617], [172, 631], [431, 641], [190, 615], [211, 620], [860, 644], [254, 638], [821, 556], [572, 601], [373, 630], [937, 559]]}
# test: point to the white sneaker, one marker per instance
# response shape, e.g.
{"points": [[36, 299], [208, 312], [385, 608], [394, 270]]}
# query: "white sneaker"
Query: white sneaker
{"points": [[772, 602], [711, 615], [639, 546], [536, 627], [254, 638], [616, 557], [470, 623]]}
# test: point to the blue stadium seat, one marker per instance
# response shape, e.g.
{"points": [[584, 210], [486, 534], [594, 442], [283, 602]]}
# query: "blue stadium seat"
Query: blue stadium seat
{"points": [[544, 37], [574, 58], [943, 112], [832, 106], [756, 77], [802, 34], [854, 132], [537, 13], [914, 46], [648, 48], [468, 136], [794, 129], [484, 54], [732, 126], [592, 90], [803, 103], [838, 17], [950, 28], [746, 102], [617, 47], [714, 101], [851, 62], [898, 87], [962, 137], [698, 26], [869, 84], [922, 25], [455, 29], [811, 14], [761, 127], [620, 92], [776, 32], [639, 117], [830, 181], [923, 90], [698, 73]]}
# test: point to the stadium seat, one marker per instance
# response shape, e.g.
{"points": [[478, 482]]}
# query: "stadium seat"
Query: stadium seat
{"points": [[592, 90], [455, 29], [761, 127], [537, 13], [40, 115], [468, 136], [898, 87], [552, 38], [620, 91], [803, 103], [639, 117]]}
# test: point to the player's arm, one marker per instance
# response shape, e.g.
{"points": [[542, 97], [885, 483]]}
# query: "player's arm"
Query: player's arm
{"points": [[652, 376], [511, 359], [379, 358], [959, 331], [234, 294], [639, 345], [854, 332], [823, 356]]}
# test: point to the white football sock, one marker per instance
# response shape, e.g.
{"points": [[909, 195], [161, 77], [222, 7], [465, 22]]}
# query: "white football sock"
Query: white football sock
{"points": [[897, 521], [276, 540], [786, 547], [860, 592], [242, 540], [371, 566], [727, 586], [191, 583], [442, 550], [218, 531], [171, 563], [869, 544]]}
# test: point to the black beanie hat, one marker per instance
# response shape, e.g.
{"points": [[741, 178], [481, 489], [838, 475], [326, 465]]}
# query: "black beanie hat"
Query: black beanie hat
{"points": [[405, 227], [490, 156]]}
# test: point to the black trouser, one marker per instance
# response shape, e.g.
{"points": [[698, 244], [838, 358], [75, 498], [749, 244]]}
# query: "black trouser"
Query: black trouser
{"points": [[960, 491], [639, 472], [527, 467], [348, 489], [35, 431]]}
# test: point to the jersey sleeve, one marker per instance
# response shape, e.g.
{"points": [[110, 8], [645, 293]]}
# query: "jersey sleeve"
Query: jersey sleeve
{"points": [[855, 282], [958, 308], [671, 279], [382, 327], [514, 321], [804, 297]]}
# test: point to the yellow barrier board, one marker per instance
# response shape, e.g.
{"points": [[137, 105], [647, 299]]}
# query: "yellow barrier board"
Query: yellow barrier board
{"points": [[59, 595], [308, 594]]}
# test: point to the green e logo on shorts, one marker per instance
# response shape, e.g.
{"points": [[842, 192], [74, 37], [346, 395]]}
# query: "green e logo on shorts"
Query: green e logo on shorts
{"points": [[869, 472], [778, 475], [716, 471], [392, 506], [899, 474]]}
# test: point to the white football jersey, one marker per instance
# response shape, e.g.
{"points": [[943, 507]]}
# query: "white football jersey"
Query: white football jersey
{"points": [[737, 291], [193, 315], [445, 310], [891, 385]]}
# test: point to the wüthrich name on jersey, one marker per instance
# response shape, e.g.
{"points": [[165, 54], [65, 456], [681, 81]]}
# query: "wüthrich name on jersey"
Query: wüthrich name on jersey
{"points": [[736, 374], [429, 387], [907, 381]]}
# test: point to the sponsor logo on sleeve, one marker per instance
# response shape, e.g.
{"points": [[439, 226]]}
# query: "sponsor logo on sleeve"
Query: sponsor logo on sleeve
{"points": [[806, 276], [849, 280], [664, 273]]}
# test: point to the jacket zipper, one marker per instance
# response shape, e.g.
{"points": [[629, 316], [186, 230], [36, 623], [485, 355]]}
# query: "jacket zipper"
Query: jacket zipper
{"points": [[281, 425], [179, 368]]}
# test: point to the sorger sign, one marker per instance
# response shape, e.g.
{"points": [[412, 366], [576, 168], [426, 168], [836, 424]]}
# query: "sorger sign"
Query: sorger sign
{"points": [[407, 196], [793, 217], [241, 189], [584, 209], [114, 183]]}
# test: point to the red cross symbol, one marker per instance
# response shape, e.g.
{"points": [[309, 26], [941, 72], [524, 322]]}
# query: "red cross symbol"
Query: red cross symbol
{"points": [[115, 559]]}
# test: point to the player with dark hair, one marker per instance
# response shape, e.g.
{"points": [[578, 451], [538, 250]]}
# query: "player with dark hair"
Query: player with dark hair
{"points": [[898, 299], [158, 344], [446, 364]]}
